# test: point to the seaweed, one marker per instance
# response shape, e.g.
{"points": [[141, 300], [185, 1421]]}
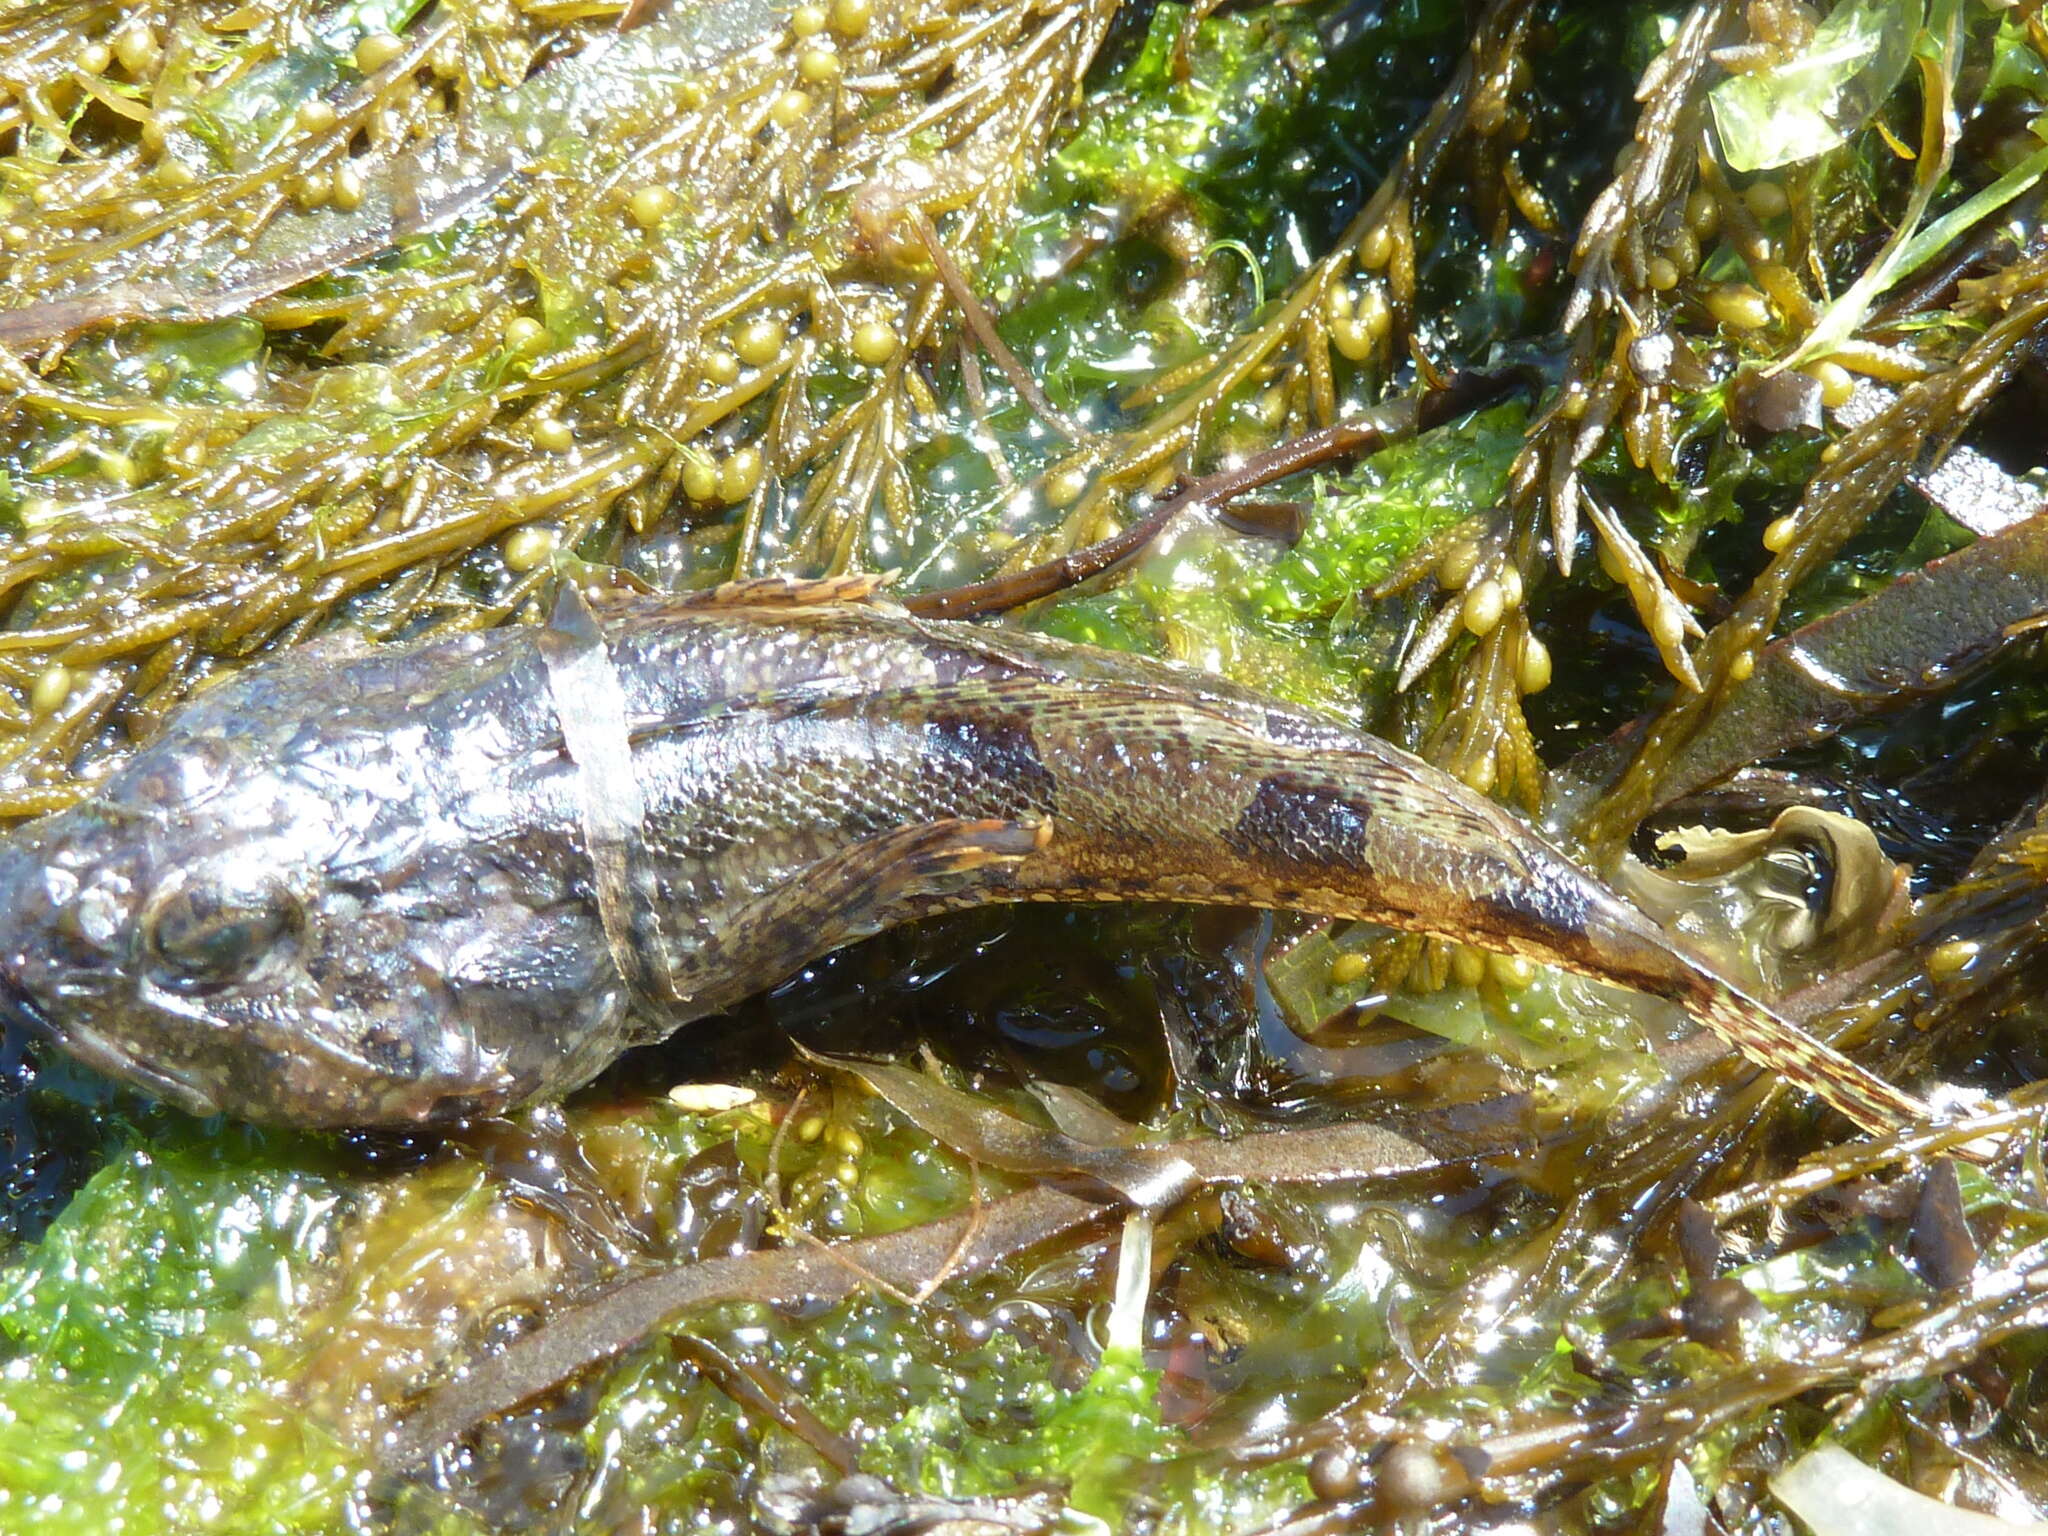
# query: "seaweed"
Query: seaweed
{"points": [[418, 429], [1864, 468]]}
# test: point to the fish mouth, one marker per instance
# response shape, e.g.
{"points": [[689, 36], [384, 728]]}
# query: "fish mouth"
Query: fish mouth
{"points": [[94, 1051]]}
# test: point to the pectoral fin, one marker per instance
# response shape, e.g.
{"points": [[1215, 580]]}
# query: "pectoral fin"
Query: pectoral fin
{"points": [[857, 892]]}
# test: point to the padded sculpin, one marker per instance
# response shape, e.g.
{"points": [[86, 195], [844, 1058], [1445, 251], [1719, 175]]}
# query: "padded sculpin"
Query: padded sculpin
{"points": [[414, 883]]}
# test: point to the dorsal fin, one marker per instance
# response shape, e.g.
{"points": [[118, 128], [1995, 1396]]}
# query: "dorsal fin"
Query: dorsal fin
{"points": [[790, 591]]}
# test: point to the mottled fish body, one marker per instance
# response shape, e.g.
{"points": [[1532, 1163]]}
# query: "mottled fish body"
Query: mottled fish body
{"points": [[407, 884]]}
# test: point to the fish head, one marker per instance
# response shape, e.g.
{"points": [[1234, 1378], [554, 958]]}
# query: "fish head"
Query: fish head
{"points": [[272, 911]]}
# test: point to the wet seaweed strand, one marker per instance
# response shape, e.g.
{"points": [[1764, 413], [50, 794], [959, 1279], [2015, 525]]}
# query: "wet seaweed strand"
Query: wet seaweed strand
{"points": [[1630, 237], [1340, 334]]}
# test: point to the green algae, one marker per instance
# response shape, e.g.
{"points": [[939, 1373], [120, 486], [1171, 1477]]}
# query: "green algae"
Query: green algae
{"points": [[1293, 620], [144, 1389]]}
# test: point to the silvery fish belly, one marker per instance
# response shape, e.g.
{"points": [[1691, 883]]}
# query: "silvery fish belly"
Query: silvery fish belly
{"points": [[390, 886]]}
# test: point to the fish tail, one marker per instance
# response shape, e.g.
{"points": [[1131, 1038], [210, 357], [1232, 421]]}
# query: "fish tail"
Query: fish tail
{"points": [[1808, 1064]]}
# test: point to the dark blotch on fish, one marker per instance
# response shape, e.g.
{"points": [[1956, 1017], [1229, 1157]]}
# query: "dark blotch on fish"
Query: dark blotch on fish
{"points": [[1000, 747], [1295, 820]]}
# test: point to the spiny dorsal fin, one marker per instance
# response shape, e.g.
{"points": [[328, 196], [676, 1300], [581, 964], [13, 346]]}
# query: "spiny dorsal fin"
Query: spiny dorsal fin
{"points": [[790, 591]]}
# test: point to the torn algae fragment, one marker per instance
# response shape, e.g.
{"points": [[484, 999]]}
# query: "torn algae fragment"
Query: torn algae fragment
{"points": [[1111, 1427], [1813, 101]]}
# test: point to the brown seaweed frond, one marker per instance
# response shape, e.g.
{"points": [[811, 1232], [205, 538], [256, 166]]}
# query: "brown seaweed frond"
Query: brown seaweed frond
{"points": [[1329, 346], [661, 240], [1647, 333], [1863, 468], [1627, 255]]}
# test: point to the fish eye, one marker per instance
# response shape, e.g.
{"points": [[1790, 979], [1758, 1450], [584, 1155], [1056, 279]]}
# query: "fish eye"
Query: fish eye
{"points": [[208, 934]]}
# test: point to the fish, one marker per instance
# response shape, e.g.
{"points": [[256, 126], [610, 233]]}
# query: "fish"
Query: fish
{"points": [[400, 885]]}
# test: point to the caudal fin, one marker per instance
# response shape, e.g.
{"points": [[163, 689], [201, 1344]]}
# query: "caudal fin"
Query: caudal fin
{"points": [[1819, 1069]]}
